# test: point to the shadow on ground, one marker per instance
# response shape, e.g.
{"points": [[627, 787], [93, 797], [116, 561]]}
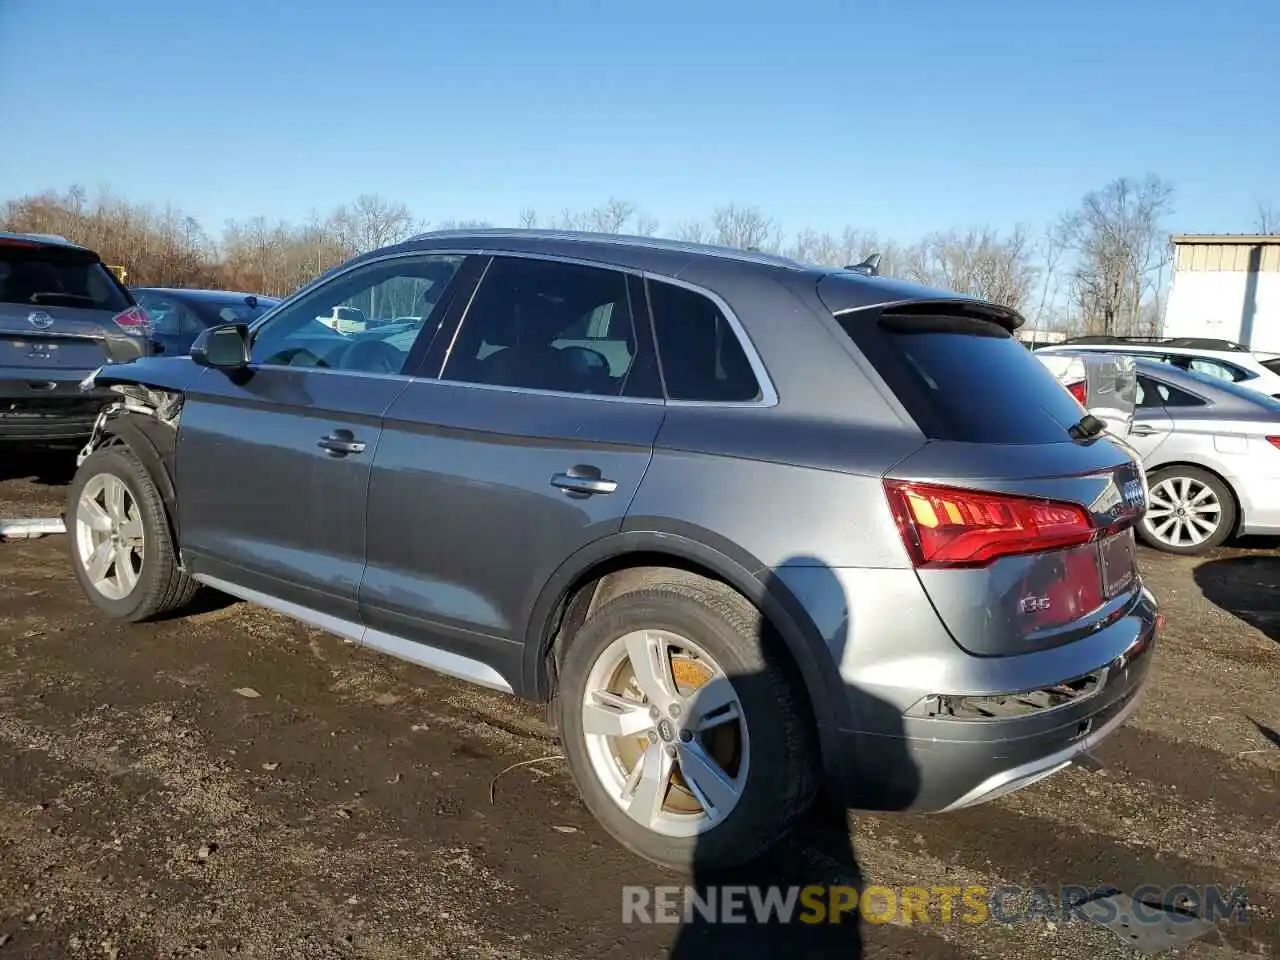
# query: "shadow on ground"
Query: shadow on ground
{"points": [[1272, 736], [1247, 587], [816, 864], [53, 468]]}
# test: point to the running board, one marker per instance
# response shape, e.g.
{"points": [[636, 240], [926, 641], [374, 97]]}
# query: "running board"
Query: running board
{"points": [[433, 658]]}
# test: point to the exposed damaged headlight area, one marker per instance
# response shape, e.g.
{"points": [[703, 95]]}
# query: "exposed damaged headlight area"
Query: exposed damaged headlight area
{"points": [[1012, 705], [149, 407]]}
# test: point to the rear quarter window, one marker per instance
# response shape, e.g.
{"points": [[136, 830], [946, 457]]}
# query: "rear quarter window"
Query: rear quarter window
{"points": [[964, 378]]}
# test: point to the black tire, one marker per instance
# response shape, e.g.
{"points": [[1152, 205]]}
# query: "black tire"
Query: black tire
{"points": [[782, 776], [162, 587], [1226, 519]]}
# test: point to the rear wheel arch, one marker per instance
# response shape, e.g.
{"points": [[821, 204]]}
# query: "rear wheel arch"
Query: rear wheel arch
{"points": [[632, 561]]}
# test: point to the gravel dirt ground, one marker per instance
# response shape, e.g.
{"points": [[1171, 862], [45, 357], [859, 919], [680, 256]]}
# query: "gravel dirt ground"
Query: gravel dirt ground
{"points": [[343, 808]]}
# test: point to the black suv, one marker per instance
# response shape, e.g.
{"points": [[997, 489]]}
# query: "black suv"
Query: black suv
{"points": [[62, 315]]}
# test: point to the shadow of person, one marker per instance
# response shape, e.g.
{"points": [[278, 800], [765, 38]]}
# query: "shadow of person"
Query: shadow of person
{"points": [[1247, 587], [814, 869]]}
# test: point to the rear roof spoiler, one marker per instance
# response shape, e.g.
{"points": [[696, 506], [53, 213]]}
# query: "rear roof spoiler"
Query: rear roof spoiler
{"points": [[843, 292]]}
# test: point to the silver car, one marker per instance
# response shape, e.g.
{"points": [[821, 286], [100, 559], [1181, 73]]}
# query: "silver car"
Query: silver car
{"points": [[1211, 451]]}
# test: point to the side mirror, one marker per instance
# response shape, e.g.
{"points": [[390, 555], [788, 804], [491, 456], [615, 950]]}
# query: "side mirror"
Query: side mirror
{"points": [[225, 347]]}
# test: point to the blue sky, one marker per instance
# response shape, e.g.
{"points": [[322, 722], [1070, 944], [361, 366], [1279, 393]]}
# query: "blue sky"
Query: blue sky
{"points": [[895, 117]]}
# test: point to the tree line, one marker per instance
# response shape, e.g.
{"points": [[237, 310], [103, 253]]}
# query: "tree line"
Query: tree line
{"points": [[1099, 268]]}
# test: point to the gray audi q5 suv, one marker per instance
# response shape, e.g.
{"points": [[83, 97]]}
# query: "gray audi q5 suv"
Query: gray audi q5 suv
{"points": [[752, 527]]}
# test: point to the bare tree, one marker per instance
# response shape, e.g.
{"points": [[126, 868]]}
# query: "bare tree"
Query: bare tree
{"points": [[977, 262], [848, 247], [645, 225], [1052, 245], [692, 231], [744, 227], [1268, 219], [529, 218], [378, 222], [1118, 238]]}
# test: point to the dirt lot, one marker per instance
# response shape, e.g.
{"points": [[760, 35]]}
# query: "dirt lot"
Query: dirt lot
{"points": [[149, 809]]}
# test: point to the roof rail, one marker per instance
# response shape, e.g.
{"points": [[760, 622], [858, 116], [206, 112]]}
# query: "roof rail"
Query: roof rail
{"points": [[588, 236], [1188, 343]]}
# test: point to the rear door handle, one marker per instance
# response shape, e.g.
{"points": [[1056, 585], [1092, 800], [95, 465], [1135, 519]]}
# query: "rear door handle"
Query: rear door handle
{"points": [[340, 443], [583, 481], [1141, 430]]}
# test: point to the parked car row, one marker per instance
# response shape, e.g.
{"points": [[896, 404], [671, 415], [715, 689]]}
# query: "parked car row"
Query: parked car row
{"points": [[1210, 448], [63, 313], [1204, 425]]}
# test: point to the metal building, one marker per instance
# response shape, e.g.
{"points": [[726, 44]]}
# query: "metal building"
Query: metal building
{"points": [[1226, 286]]}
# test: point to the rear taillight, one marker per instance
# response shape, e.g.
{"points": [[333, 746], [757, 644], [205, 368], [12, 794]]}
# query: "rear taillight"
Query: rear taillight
{"points": [[1079, 391], [134, 322], [948, 526], [1274, 441]]}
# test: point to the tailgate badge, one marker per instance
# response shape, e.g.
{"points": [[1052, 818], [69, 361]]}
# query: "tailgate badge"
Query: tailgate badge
{"points": [[1133, 494], [40, 320]]}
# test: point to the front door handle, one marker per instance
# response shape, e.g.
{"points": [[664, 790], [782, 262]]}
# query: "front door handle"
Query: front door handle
{"points": [[583, 481], [1141, 430], [340, 443]]}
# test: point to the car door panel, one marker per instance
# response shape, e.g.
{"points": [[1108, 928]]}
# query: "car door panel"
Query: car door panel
{"points": [[262, 503], [274, 461], [486, 480], [475, 500]]}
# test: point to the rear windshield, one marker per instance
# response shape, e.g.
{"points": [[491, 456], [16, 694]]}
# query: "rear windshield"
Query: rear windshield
{"points": [[965, 379], [43, 277]]}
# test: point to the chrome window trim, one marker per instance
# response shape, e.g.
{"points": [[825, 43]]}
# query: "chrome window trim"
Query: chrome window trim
{"points": [[768, 393]]}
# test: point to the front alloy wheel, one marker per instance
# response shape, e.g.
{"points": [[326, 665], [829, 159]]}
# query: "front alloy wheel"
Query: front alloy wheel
{"points": [[109, 536]]}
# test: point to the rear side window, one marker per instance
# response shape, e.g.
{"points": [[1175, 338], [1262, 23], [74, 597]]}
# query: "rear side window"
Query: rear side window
{"points": [[51, 277], [1152, 393], [965, 378], [701, 356]]}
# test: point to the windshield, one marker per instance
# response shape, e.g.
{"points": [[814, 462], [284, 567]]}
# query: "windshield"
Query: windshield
{"points": [[232, 309]]}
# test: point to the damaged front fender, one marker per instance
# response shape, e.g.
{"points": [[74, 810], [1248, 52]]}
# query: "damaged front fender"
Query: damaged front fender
{"points": [[145, 418]]}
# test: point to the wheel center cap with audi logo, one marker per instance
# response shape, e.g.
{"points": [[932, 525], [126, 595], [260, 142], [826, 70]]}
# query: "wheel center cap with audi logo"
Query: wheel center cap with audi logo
{"points": [[40, 320]]}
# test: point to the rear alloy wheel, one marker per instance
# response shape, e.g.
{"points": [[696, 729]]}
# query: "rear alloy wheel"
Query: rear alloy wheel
{"points": [[1190, 511], [121, 546], [682, 728]]}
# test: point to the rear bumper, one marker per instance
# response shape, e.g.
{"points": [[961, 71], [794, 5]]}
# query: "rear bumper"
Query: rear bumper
{"points": [[48, 407], [942, 764]]}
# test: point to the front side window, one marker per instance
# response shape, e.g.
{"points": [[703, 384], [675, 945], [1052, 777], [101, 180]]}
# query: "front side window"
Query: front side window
{"points": [[366, 320], [545, 325], [702, 358]]}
